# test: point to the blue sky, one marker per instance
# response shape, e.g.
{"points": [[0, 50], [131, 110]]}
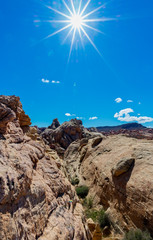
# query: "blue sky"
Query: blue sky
{"points": [[88, 84]]}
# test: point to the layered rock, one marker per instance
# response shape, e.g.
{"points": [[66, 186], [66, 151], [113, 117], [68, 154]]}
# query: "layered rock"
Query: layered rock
{"points": [[59, 137], [118, 171], [10, 110], [36, 200]]}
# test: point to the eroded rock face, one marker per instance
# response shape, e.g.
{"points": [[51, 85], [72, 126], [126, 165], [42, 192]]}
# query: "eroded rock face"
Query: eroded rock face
{"points": [[60, 137], [10, 111], [127, 194], [36, 200]]}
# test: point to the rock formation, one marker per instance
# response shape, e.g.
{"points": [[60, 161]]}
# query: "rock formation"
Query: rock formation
{"points": [[55, 124], [36, 200], [118, 171], [59, 137], [11, 111]]}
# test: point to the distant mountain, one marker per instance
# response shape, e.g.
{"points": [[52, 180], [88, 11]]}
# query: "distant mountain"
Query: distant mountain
{"points": [[128, 126]]}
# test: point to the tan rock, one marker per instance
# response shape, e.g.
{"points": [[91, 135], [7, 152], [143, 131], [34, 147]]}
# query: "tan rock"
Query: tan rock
{"points": [[59, 137], [36, 200], [91, 225], [94, 229], [97, 234], [123, 166], [13, 103], [129, 196]]}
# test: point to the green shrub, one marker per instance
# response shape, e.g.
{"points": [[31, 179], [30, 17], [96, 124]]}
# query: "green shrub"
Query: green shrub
{"points": [[88, 203], [137, 234], [99, 216], [92, 213], [103, 219], [82, 191], [75, 181]]}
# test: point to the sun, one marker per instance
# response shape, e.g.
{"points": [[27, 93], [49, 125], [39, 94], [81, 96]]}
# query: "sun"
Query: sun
{"points": [[77, 19]]}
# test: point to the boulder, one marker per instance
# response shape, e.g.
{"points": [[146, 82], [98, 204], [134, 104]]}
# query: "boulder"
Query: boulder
{"points": [[123, 166]]}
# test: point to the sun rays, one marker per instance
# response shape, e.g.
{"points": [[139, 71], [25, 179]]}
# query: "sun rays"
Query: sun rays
{"points": [[77, 19]]}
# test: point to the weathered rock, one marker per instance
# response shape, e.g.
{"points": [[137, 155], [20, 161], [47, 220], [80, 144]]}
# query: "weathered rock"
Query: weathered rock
{"points": [[123, 166], [91, 225], [129, 197], [11, 111], [36, 200], [97, 234], [15, 105], [33, 134], [94, 229], [6, 115], [96, 141], [55, 124], [62, 136]]}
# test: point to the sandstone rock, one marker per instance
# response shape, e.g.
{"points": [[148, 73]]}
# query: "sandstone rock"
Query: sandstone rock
{"points": [[91, 225], [33, 133], [97, 234], [129, 196], [13, 103], [36, 200], [94, 229], [12, 115], [55, 124], [96, 141], [123, 166], [6, 115], [60, 137]]}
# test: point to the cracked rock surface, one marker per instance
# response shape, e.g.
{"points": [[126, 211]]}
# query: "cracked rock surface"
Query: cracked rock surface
{"points": [[119, 173], [35, 196]]}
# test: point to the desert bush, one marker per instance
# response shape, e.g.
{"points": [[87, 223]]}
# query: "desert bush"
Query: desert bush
{"points": [[75, 181], [99, 216], [88, 202], [92, 213], [137, 234], [103, 219], [82, 191]]}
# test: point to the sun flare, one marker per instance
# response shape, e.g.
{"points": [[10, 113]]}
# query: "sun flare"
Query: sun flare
{"points": [[77, 19]]}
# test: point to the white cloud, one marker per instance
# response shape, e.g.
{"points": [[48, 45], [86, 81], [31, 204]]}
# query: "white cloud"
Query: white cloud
{"points": [[79, 118], [69, 115], [48, 81], [45, 80], [139, 103], [118, 100], [93, 118], [55, 82], [129, 101], [124, 116]]}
